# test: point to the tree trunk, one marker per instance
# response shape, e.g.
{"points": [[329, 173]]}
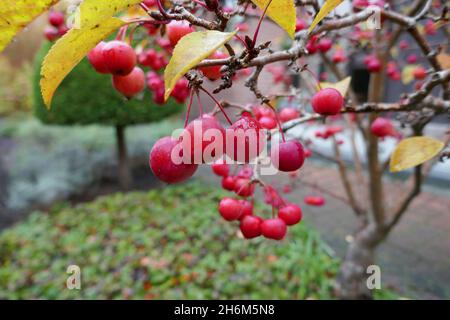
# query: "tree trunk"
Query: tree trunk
{"points": [[124, 167], [351, 282]]}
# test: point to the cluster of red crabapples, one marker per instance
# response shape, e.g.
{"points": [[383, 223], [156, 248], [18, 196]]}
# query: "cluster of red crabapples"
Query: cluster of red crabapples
{"points": [[57, 27]]}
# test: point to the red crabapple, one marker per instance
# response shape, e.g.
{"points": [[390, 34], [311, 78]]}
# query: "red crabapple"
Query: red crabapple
{"points": [[221, 168], [420, 73], [300, 25], [230, 209], [374, 65], [213, 72], [164, 167], [288, 114], [382, 127], [51, 33], [324, 45], [200, 138], [290, 214], [288, 156], [119, 57], [131, 84], [268, 123], [246, 139], [327, 101], [246, 208], [97, 59], [56, 18], [244, 187], [229, 183], [251, 227], [317, 201], [177, 30], [274, 229]]}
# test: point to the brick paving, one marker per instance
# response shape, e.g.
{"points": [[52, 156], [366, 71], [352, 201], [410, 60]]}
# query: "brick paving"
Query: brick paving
{"points": [[415, 259]]}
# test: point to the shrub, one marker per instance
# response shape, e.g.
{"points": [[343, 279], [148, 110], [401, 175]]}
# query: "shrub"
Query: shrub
{"points": [[86, 97], [165, 244]]}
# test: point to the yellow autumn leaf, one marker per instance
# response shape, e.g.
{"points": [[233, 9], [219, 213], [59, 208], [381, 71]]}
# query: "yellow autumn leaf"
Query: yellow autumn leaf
{"points": [[324, 11], [414, 151], [283, 12], [17, 14], [92, 11], [341, 86], [68, 51], [444, 60], [189, 51], [408, 73]]}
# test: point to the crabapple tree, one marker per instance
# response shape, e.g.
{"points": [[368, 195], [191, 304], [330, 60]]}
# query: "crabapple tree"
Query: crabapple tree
{"points": [[204, 41]]}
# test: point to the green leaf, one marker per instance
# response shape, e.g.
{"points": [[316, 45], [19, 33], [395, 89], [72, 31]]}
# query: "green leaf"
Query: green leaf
{"points": [[414, 151], [191, 50]]}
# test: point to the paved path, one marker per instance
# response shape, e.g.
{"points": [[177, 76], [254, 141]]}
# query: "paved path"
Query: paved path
{"points": [[415, 258]]}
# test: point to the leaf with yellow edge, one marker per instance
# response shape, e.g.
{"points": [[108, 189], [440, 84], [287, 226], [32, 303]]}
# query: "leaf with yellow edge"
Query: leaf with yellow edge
{"points": [[341, 86], [414, 151], [408, 73], [68, 51], [190, 50], [283, 12], [17, 14], [92, 12], [324, 11]]}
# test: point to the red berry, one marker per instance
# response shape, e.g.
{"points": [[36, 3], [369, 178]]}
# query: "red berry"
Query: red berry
{"points": [[268, 123], [181, 90], [213, 73], [327, 101], [325, 45], [288, 114], [119, 57], [51, 33], [205, 138], [245, 138], [177, 30], [300, 25], [274, 229], [251, 227], [230, 209], [56, 18], [246, 208], [314, 201], [229, 183], [244, 187], [131, 84], [163, 165], [97, 59], [150, 3], [374, 65], [382, 127], [220, 168], [420, 73], [412, 58], [291, 214], [288, 156], [246, 172]]}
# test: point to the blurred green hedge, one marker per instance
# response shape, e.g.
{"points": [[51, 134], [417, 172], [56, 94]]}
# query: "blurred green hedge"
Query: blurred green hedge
{"points": [[87, 97], [164, 244]]}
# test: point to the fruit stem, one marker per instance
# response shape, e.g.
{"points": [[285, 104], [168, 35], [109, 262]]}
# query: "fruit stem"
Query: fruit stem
{"points": [[217, 103], [131, 35], [255, 36], [200, 105], [314, 77], [162, 10], [280, 128], [188, 113], [122, 33]]}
